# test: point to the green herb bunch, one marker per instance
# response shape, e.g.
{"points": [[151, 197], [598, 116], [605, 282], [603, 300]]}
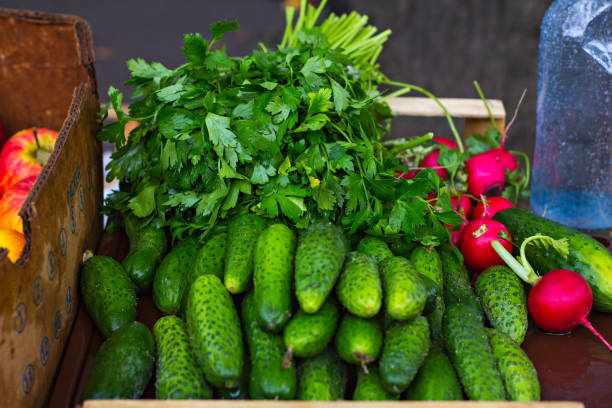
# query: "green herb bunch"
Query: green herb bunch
{"points": [[292, 133]]}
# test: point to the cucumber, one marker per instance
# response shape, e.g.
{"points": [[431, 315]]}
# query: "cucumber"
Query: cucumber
{"points": [[108, 294], [404, 291], [586, 256], [370, 388], [240, 392], [405, 348], [402, 248], [270, 379], [123, 365], [436, 380], [147, 248], [170, 284], [241, 240], [519, 375], [308, 334], [435, 319], [210, 258], [428, 263], [178, 375], [457, 286], [374, 247], [273, 276], [132, 225], [502, 296], [214, 331], [318, 260], [433, 295], [358, 340], [322, 378], [359, 288], [471, 354]]}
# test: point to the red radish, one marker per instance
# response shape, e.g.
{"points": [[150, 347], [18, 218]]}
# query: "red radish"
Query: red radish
{"points": [[488, 207], [431, 160], [508, 161], [447, 142], [485, 175], [475, 243], [465, 205], [406, 174], [559, 301]]}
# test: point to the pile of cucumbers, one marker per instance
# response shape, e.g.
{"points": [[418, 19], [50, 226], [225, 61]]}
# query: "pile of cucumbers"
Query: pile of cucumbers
{"points": [[261, 311]]}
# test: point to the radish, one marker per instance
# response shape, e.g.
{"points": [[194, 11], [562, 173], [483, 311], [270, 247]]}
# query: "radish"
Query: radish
{"points": [[431, 159], [407, 175], [559, 301], [475, 243], [508, 161], [488, 207], [447, 142], [463, 207], [485, 175]]}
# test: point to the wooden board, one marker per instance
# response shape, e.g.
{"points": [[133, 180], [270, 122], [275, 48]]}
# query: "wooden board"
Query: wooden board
{"points": [[324, 404]]}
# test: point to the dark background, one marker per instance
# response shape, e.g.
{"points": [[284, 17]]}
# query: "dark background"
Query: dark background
{"points": [[442, 45]]}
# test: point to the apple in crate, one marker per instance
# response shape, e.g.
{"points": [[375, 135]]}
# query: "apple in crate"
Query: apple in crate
{"points": [[24, 154], [13, 241], [11, 203]]}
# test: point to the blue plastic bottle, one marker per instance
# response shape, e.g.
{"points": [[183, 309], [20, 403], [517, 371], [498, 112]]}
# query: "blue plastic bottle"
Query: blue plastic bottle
{"points": [[572, 175]]}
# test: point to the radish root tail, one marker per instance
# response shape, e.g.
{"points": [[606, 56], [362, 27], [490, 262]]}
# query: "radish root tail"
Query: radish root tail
{"points": [[589, 326]]}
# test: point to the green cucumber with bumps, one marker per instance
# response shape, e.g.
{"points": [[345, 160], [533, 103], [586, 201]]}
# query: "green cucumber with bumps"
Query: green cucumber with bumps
{"points": [[210, 258], [519, 375], [215, 333], [428, 263], [405, 293], [436, 380], [405, 348], [318, 261], [242, 236], [171, 282], [503, 300], [469, 349], [108, 293], [369, 387], [240, 392], [358, 340], [359, 288], [435, 319], [178, 375], [123, 365], [273, 276], [457, 286], [322, 378], [374, 247], [148, 245], [270, 378], [308, 334], [586, 256]]}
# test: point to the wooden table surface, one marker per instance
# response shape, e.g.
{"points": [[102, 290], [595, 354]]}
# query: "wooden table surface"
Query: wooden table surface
{"points": [[571, 367]]}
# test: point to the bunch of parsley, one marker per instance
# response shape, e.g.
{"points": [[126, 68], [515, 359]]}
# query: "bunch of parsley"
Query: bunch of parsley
{"points": [[292, 133]]}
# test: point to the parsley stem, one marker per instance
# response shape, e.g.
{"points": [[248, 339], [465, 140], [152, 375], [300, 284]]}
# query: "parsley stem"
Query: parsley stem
{"points": [[408, 87], [411, 143]]}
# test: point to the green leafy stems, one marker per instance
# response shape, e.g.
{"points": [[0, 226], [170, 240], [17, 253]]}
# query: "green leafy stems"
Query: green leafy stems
{"points": [[521, 265]]}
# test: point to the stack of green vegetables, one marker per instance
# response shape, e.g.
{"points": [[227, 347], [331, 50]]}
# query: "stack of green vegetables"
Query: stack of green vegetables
{"points": [[292, 133], [267, 314]]}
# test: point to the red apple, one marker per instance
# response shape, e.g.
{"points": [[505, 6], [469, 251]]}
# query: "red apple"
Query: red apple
{"points": [[22, 156], [13, 241], [11, 203]]}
